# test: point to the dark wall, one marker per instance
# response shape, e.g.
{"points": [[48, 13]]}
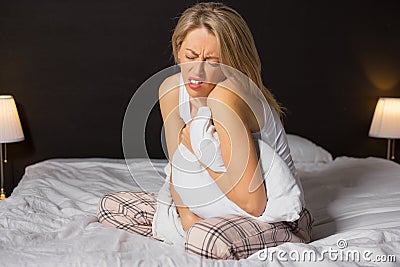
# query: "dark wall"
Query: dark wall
{"points": [[73, 67]]}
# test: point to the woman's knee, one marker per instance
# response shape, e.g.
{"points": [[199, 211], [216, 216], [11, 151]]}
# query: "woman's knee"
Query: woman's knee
{"points": [[137, 206], [207, 240], [107, 204]]}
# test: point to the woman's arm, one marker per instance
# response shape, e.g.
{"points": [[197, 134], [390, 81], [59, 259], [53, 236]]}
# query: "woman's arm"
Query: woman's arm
{"points": [[173, 124], [242, 181]]}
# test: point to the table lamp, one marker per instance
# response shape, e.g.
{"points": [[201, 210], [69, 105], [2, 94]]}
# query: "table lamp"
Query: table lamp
{"points": [[10, 131], [386, 122]]}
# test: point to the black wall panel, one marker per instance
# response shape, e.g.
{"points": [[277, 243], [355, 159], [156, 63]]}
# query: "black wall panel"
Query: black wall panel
{"points": [[73, 67]]}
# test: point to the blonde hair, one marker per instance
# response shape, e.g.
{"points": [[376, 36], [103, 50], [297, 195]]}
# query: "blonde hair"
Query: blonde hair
{"points": [[235, 42]]}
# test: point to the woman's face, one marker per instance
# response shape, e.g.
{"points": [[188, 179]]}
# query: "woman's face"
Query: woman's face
{"points": [[199, 61]]}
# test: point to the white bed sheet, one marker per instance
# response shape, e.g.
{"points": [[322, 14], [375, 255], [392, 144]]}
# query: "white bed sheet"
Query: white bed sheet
{"points": [[49, 220]]}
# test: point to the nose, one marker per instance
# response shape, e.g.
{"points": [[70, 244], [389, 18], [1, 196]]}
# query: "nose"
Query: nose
{"points": [[198, 68]]}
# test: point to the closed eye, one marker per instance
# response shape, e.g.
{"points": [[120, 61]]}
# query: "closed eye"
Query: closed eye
{"points": [[213, 64]]}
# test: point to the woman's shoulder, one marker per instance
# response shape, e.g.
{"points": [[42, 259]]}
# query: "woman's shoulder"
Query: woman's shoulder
{"points": [[224, 93], [168, 94], [230, 95], [170, 84], [232, 91]]}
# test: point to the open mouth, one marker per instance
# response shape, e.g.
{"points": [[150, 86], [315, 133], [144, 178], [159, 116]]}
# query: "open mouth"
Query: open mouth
{"points": [[196, 82]]}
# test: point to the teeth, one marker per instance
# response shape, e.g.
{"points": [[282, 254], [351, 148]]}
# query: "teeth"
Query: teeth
{"points": [[195, 82]]}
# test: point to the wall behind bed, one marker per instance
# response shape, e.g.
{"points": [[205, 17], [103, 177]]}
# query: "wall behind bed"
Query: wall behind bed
{"points": [[74, 66]]}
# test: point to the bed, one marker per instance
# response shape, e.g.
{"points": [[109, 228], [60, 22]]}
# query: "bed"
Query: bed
{"points": [[49, 219]]}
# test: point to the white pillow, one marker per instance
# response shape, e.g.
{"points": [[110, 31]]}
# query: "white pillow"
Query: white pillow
{"points": [[304, 150], [202, 195]]}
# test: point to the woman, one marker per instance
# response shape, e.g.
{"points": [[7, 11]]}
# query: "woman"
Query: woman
{"points": [[208, 35]]}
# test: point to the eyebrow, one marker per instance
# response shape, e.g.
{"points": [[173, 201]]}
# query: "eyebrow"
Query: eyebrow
{"points": [[209, 57]]}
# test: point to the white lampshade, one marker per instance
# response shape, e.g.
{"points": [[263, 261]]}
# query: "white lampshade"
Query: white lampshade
{"points": [[10, 125], [386, 120]]}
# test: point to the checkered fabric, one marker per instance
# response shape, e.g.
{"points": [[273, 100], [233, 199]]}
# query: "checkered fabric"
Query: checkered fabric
{"points": [[131, 211], [225, 237], [238, 237]]}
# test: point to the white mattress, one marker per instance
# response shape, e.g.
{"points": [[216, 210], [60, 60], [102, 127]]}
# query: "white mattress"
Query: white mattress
{"points": [[49, 220]]}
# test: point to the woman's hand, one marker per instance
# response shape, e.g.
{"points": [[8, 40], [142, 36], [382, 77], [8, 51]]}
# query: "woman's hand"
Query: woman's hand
{"points": [[188, 218], [195, 104], [185, 137]]}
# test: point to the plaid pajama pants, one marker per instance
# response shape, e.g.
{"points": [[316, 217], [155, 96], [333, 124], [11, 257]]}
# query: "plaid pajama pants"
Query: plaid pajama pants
{"points": [[130, 211], [224, 237]]}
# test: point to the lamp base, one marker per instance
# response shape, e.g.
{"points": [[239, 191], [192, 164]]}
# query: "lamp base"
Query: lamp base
{"points": [[2, 194], [390, 149]]}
